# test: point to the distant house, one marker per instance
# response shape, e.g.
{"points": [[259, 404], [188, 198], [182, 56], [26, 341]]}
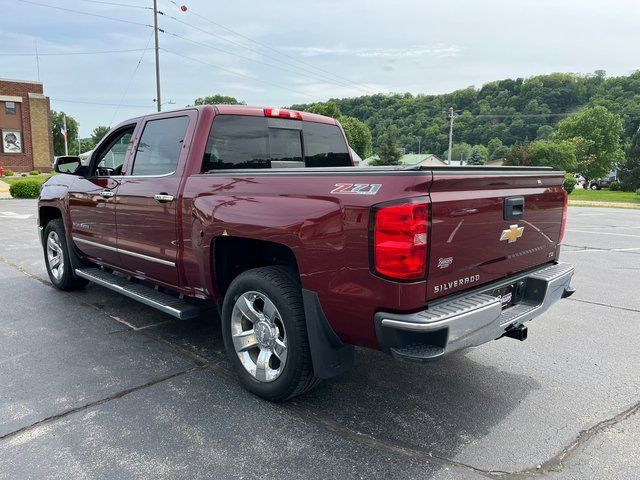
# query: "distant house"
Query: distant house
{"points": [[411, 159]]}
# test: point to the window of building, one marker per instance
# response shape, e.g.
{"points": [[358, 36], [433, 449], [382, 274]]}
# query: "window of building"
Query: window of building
{"points": [[10, 108], [159, 148]]}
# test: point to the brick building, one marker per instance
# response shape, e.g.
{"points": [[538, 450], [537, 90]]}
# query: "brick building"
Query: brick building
{"points": [[26, 141]]}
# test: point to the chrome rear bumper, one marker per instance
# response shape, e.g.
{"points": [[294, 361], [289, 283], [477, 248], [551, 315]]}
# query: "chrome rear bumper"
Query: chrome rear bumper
{"points": [[472, 319]]}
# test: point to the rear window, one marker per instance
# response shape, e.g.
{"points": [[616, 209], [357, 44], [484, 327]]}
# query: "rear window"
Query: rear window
{"points": [[239, 141]]}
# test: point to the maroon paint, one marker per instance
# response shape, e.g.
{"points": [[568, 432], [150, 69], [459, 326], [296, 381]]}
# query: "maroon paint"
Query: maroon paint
{"points": [[328, 233]]}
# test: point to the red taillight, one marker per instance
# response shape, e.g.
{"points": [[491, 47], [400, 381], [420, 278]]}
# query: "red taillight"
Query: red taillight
{"points": [[400, 240], [564, 217], [282, 113]]}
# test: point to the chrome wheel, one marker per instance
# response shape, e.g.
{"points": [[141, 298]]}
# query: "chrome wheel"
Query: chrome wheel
{"points": [[259, 336], [55, 256]]}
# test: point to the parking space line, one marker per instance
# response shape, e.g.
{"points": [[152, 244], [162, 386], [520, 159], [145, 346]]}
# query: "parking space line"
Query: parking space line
{"points": [[628, 309], [604, 233]]}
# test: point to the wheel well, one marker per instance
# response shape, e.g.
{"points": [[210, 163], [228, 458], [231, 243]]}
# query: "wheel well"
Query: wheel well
{"points": [[46, 214], [234, 255]]}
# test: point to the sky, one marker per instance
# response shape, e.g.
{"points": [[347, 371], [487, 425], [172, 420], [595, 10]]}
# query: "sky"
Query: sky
{"points": [[281, 52]]}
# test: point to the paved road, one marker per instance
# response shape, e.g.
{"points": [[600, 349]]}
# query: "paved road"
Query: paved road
{"points": [[95, 385]]}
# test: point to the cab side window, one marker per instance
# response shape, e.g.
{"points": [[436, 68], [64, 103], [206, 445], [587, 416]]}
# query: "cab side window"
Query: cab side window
{"points": [[159, 147], [110, 156]]}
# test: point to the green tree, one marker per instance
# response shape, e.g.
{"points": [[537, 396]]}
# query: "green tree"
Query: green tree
{"points": [[98, 133], [544, 132], [478, 155], [218, 99], [519, 155], [58, 139], [328, 109], [389, 153], [596, 133], [494, 144], [358, 135], [630, 172], [559, 154], [460, 152]]}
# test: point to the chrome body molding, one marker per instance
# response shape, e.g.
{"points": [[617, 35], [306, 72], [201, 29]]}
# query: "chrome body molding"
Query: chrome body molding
{"points": [[124, 252], [476, 318]]}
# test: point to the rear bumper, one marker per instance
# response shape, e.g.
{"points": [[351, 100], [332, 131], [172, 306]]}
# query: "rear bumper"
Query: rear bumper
{"points": [[471, 319]]}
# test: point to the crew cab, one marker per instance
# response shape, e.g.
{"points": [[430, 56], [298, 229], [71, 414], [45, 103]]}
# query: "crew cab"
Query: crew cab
{"points": [[262, 212]]}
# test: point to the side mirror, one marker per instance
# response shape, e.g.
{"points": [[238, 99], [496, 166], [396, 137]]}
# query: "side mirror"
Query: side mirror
{"points": [[68, 164]]}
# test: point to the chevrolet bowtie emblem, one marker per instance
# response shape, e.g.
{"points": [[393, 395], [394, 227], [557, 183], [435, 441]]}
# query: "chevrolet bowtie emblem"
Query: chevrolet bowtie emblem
{"points": [[513, 233]]}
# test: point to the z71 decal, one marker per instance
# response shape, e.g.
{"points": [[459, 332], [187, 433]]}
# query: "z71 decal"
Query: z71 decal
{"points": [[357, 188]]}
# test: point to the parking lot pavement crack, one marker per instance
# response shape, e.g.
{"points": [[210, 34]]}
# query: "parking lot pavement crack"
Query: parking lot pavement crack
{"points": [[394, 447], [556, 463], [101, 401], [609, 305]]}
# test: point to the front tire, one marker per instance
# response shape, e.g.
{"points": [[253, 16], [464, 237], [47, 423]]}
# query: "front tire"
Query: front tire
{"points": [[56, 257], [265, 333]]}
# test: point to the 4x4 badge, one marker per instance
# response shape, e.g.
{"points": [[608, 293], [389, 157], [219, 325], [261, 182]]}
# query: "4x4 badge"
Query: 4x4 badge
{"points": [[511, 234]]}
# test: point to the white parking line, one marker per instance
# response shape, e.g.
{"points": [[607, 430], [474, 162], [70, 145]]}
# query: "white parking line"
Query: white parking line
{"points": [[604, 233], [15, 215]]}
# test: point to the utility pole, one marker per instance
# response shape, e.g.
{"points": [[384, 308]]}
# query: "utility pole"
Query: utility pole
{"points": [[155, 35], [419, 143], [450, 135]]}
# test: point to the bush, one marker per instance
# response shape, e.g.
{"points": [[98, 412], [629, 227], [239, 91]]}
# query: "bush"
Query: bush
{"points": [[8, 173], [615, 186], [25, 189], [34, 172], [638, 192], [569, 182]]}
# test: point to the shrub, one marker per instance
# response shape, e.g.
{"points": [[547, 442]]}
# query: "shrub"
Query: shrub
{"points": [[8, 173], [34, 172], [615, 186], [638, 192], [25, 189], [569, 182]]}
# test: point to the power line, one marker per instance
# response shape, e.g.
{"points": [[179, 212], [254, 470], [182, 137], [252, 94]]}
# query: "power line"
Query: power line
{"points": [[279, 52], [85, 13], [315, 75], [118, 4], [227, 52], [135, 70], [68, 53], [82, 102], [233, 72]]}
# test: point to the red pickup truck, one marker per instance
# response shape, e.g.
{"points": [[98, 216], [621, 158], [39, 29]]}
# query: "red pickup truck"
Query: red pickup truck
{"points": [[262, 212]]}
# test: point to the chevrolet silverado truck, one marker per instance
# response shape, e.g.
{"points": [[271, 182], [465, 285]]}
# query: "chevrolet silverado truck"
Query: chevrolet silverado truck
{"points": [[262, 213]]}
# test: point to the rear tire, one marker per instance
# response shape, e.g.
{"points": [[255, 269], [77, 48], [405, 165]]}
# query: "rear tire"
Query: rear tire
{"points": [[265, 333], [56, 258]]}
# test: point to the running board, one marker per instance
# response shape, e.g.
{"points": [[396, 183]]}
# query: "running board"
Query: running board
{"points": [[149, 296]]}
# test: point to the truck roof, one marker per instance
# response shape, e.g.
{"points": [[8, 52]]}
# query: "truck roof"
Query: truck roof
{"points": [[221, 109]]}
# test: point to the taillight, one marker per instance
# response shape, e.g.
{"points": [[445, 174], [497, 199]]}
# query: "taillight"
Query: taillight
{"points": [[282, 113], [564, 216], [400, 240]]}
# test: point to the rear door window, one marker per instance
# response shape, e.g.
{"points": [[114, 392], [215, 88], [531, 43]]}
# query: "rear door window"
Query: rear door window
{"points": [[241, 142], [324, 146], [159, 147]]}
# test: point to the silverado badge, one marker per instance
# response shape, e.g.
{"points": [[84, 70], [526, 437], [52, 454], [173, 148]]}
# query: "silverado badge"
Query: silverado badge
{"points": [[511, 234]]}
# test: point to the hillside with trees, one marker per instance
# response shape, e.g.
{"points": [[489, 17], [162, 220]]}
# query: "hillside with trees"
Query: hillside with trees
{"points": [[500, 113]]}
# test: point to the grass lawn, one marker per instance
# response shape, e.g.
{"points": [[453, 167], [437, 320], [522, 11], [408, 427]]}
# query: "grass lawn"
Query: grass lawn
{"points": [[604, 196], [41, 178]]}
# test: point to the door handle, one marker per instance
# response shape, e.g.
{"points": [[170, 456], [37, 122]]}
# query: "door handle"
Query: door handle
{"points": [[163, 197], [107, 193]]}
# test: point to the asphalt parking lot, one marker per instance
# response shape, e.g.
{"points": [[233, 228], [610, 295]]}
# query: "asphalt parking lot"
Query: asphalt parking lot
{"points": [[94, 385]]}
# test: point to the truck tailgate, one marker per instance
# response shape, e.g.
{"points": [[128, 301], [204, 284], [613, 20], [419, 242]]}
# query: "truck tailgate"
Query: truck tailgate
{"points": [[475, 239]]}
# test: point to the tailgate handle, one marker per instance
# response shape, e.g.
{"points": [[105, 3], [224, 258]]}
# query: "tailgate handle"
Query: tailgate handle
{"points": [[513, 207]]}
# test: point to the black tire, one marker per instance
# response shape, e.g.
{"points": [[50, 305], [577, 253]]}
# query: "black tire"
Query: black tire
{"points": [[282, 287], [65, 279]]}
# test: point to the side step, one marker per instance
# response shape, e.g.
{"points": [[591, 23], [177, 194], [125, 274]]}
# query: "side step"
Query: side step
{"points": [[162, 301]]}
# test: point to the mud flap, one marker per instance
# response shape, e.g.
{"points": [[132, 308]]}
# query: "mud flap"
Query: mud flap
{"points": [[330, 356]]}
